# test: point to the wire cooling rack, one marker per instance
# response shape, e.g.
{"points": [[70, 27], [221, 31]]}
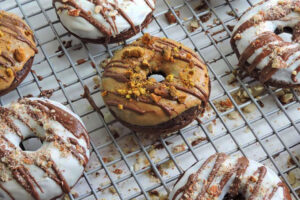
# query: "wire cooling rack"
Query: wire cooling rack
{"points": [[127, 165]]}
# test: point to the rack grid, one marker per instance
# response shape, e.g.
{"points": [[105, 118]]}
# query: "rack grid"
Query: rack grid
{"points": [[63, 76]]}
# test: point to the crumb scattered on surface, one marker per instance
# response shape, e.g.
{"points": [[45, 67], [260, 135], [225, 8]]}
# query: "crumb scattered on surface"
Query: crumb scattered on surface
{"points": [[178, 148], [171, 18], [194, 25], [206, 17], [223, 105]]}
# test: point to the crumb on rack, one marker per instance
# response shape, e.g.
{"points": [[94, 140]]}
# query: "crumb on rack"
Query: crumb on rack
{"points": [[171, 18], [194, 25], [178, 148], [204, 18], [223, 105]]}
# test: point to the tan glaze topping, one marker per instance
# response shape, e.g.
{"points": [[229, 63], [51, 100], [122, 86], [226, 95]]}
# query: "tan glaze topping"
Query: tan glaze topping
{"points": [[17, 46], [101, 7], [17, 160], [139, 100], [277, 12], [190, 189]]}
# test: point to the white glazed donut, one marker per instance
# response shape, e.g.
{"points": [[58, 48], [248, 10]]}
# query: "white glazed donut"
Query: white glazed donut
{"points": [[56, 166], [229, 177], [266, 41], [100, 21]]}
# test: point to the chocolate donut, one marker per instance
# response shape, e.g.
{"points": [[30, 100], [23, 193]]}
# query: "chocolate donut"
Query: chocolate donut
{"points": [[266, 41], [17, 50], [229, 177], [108, 21], [146, 105], [54, 168]]}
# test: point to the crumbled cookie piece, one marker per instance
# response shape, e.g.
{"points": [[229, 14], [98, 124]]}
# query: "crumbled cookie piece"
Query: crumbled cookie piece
{"points": [[194, 25], [223, 105], [178, 148], [233, 115], [286, 98], [74, 12], [134, 52], [206, 17], [249, 108], [170, 16], [19, 54]]}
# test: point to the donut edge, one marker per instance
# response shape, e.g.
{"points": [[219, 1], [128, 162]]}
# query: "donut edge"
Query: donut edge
{"points": [[173, 124], [124, 35], [20, 76]]}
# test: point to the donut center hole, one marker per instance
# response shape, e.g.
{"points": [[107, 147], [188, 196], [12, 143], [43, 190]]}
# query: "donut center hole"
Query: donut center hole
{"points": [[31, 144], [238, 197], [286, 33], [158, 76]]}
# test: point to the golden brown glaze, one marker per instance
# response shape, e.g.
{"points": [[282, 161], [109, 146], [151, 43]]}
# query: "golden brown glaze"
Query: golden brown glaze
{"points": [[17, 47], [138, 100]]}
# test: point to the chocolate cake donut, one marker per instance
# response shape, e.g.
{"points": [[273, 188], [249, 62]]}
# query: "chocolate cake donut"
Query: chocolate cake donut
{"points": [[107, 21], [17, 50], [146, 105], [223, 177], [266, 41], [54, 168]]}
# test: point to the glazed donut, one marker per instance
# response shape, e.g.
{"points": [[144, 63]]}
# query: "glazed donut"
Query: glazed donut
{"points": [[229, 177], [54, 168], [108, 21], [17, 50], [146, 105], [266, 42]]}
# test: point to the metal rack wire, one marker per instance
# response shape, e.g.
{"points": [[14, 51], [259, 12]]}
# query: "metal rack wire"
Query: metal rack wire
{"points": [[68, 92]]}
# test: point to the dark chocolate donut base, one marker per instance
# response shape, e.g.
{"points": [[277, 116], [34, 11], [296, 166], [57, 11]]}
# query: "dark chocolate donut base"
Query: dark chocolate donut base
{"points": [[20, 76], [118, 38], [170, 126]]}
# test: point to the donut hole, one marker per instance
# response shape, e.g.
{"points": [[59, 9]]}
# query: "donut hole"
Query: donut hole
{"points": [[286, 33], [158, 76], [238, 197], [31, 144]]}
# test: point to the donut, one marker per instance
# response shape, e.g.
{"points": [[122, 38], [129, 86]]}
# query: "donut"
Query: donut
{"points": [[266, 42], [229, 177], [17, 50], [108, 21], [145, 104], [54, 168]]}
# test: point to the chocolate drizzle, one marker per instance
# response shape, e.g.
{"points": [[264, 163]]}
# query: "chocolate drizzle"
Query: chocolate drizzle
{"points": [[40, 111], [129, 106], [68, 121], [104, 7], [198, 187], [192, 180], [262, 173], [277, 12], [7, 192], [13, 24]]}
